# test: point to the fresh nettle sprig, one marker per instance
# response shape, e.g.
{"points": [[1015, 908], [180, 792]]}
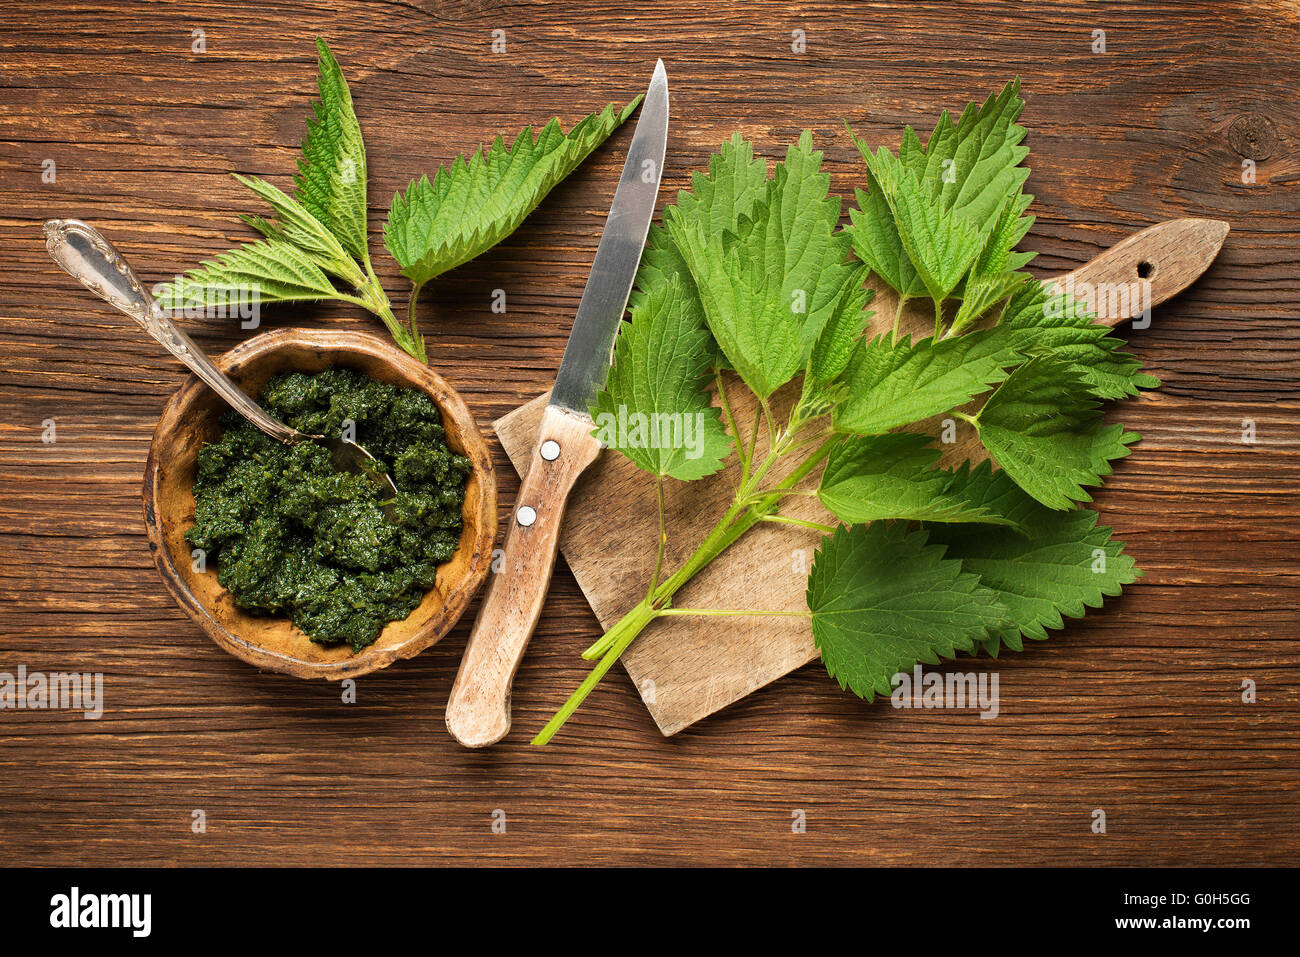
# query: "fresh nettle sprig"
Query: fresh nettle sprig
{"points": [[749, 278], [315, 245]]}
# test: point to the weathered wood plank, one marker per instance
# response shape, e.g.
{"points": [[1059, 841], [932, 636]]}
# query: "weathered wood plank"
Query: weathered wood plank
{"points": [[1138, 712]]}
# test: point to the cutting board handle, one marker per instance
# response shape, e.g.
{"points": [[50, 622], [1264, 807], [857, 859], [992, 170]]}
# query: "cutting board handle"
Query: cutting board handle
{"points": [[1145, 269], [478, 711]]}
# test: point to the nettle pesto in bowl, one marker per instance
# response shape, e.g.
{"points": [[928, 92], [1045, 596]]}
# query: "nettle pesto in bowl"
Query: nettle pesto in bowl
{"points": [[289, 535]]}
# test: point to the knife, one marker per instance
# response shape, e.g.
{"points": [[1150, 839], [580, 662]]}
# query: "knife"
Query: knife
{"points": [[478, 711]]}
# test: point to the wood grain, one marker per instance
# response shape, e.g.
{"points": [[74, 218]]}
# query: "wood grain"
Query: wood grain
{"points": [[688, 669], [1137, 711]]}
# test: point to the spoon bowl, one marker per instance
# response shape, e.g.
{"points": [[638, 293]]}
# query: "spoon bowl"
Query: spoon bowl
{"points": [[348, 456]]}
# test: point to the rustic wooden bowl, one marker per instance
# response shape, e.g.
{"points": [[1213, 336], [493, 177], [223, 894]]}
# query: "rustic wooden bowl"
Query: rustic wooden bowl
{"points": [[190, 420]]}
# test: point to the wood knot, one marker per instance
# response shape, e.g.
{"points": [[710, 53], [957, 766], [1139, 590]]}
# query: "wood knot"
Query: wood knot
{"points": [[1253, 135]]}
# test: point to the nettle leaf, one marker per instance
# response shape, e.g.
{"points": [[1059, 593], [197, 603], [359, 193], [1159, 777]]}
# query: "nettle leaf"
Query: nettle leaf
{"points": [[972, 166], [289, 265], [270, 270], [298, 225], [331, 177], [882, 600], [995, 275], [839, 337], [1053, 320], [893, 476], [876, 242], [1010, 228], [1052, 565], [918, 221], [941, 243], [715, 202], [982, 293], [654, 407], [1043, 427], [470, 206], [911, 152], [896, 383], [263, 225], [769, 288]]}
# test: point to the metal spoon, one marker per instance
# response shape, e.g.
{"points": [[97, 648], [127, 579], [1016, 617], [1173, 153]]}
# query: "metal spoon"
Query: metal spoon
{"points": [[96, 263]]}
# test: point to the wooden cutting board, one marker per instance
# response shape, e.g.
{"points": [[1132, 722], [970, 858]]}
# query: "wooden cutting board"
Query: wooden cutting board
{"points": [[688, 668]]}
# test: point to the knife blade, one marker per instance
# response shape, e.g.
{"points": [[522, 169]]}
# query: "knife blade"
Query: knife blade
{"points": [[591, 343], [478, 710]]}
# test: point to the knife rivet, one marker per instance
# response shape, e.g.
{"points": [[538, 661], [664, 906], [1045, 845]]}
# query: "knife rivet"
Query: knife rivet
{"points": [[526, 515], [550, 450]]}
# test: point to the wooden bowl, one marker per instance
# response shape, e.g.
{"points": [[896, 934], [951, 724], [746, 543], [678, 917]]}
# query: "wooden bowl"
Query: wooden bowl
{"points": [[190, 420]]}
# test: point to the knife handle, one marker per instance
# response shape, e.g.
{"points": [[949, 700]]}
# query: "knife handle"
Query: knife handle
{"points": [[478, 711]]}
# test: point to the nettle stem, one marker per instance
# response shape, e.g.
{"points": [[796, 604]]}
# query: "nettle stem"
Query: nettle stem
{"points": [[749, 508], [373, 297], [898, 318], [747, 612], [663, 538], [787, 520], [410, 311]]}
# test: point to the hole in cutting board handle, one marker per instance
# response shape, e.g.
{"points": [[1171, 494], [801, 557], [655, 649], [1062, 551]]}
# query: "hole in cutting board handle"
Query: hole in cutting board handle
{"points": [[1146, 269]]}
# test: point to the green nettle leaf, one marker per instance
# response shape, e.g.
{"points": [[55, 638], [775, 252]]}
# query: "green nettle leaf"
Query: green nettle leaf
{"points": [[654, 408], [769, 288], [331, 177], [876, 242], [897, 383], [995, 275], [839, 337], [927, 209], [882, 600], [974, 165], [715, 203], [321, 230], [469, 207], [893, 476], [1043, 427], [911, 153], [982, 293], [1052, 564], [1040, 318], [296, 224], [941, 244], [998, 255], [326, 221], [270, 270], [263, 225]]}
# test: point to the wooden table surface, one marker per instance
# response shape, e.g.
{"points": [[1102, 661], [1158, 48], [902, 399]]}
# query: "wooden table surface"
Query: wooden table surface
{"points": [[1138, 711]]}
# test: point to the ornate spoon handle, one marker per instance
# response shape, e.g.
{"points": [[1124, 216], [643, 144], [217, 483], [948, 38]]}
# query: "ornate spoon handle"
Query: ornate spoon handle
{"points": [[94, 262]]}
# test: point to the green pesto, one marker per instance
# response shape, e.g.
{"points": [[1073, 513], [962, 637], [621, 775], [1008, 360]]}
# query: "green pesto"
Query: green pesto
{"points": [[292, 536]]}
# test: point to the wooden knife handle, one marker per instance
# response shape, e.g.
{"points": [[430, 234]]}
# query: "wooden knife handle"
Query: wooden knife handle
{"points": [[478, 711]]}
